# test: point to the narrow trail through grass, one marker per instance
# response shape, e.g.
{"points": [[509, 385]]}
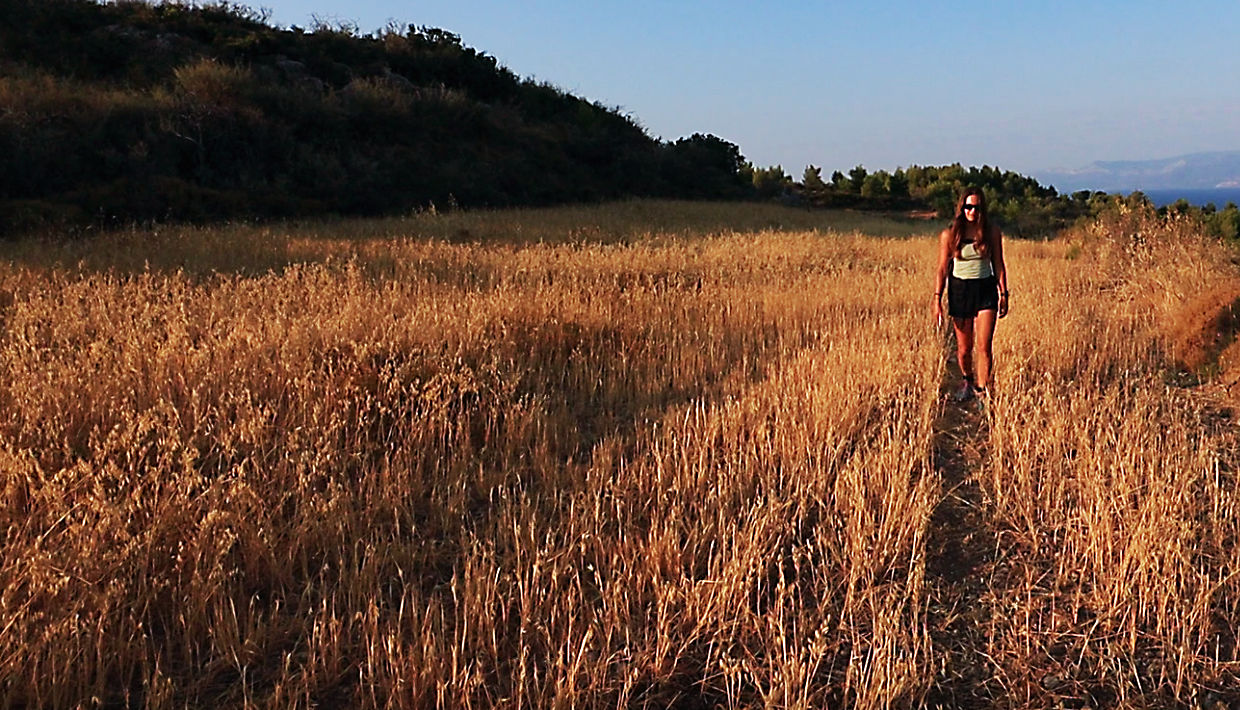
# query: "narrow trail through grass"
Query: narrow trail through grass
{"points": [[960, 554]]}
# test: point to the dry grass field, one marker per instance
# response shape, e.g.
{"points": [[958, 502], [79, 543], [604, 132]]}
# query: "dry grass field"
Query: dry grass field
{"points": [[639, 455]]}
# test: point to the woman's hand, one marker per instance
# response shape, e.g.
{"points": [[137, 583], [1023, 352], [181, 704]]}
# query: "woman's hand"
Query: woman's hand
{"points": [[1003, 303], [938, 310]]}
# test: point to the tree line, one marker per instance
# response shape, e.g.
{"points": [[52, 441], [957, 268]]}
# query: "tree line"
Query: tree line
{"points": [[1020, 204]]}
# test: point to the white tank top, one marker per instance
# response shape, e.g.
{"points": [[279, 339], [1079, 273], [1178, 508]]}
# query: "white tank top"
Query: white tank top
{"points": [[971, 265]]}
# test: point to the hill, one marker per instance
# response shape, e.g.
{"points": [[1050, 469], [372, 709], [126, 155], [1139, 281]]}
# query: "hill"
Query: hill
{"points": [[133, 111], [123, 112], [1196, 171]]}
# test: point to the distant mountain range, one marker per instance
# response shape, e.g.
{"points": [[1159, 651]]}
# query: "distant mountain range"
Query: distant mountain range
{"points": [[1196, 171]]}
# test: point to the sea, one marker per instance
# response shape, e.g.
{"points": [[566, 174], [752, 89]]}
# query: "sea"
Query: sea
{"points": [[1220, 196]]}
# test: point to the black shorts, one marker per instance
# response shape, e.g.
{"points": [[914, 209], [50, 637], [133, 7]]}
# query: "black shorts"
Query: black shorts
{"points": [[965, 297]]}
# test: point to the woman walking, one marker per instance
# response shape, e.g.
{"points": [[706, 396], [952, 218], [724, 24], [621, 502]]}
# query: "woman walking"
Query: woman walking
{"points": [[971, 266]]}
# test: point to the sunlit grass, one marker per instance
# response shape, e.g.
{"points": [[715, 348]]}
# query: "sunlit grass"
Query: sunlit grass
{"points": [[257, 248], [637, 455]]}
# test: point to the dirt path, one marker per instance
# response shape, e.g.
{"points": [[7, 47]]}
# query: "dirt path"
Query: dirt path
{"points": [[960, 558]]}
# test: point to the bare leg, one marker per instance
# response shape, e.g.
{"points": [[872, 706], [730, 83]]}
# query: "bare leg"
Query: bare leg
{"points": [[964, 345], [984, 335]]}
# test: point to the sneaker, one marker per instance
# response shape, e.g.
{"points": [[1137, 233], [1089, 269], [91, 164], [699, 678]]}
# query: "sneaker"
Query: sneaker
{"points": [[983, 400], [964, 394]]}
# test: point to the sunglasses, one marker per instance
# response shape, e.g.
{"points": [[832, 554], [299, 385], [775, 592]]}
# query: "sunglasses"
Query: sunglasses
{"points": [[968, 207]]}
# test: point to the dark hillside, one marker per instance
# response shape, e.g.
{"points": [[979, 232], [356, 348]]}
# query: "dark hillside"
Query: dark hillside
{"points": [[133, 111]]}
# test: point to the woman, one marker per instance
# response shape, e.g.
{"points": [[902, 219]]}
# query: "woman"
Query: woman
{"points": [[971, 249]]}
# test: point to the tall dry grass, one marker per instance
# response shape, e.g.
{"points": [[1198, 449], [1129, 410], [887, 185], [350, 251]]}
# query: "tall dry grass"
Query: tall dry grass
{"points": [[411, 473], [265, 469], [256, 249], [1113, 488]]}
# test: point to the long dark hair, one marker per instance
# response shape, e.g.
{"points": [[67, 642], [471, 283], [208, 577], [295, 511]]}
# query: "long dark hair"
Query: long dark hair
{"points": [[960, 226]]}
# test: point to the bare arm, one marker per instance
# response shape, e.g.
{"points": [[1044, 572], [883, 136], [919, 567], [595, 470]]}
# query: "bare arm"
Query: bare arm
{"points": [[940, 273], [945, 260], [1000, 273]]}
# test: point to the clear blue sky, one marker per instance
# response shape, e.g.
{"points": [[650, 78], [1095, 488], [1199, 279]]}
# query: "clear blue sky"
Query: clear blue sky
{"points": [[1025, 86]]}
